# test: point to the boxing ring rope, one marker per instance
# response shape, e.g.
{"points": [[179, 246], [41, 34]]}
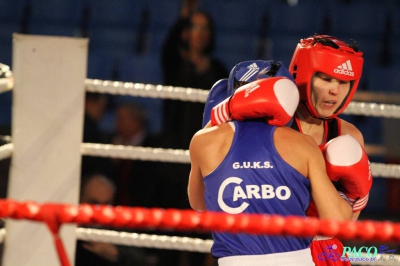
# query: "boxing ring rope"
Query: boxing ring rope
{"points": [[6, 84], [139, 240], [55, 215], [188, 220], [194, 95], [6, 151], [145, 240], [182, 156], [199, 95], [6, 80], [169, 242], [173, 156]]}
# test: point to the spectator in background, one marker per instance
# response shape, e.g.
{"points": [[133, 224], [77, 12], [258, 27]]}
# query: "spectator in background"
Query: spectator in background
{"points": [[136, 181], [187, 61], [95, 106], [98, 189]]}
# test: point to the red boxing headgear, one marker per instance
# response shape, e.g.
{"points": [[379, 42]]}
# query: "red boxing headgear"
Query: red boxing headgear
{"points": [[339, 61]]}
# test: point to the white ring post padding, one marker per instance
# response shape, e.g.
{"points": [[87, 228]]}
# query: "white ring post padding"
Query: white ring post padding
{"points": [[47, 126]]}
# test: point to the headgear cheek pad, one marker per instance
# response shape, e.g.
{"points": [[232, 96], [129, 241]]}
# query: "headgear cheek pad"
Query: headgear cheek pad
{"points": [[342, 63], [249, 71], [216, 95]]}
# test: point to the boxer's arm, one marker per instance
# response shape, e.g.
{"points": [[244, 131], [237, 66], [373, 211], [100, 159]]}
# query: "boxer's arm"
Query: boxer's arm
{"points": [[208, 125], [330, 205], [196, 184], [350, 129], [355, 215]]}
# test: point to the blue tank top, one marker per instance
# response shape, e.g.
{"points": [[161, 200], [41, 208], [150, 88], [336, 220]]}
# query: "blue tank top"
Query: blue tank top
{"points": [[253, 178]]}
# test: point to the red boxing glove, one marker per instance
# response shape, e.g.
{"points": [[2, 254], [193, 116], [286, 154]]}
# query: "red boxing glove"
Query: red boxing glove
{"points": [[274, 98], [348, 163]]}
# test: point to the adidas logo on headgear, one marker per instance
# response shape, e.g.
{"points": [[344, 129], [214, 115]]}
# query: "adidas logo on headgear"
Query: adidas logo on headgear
{"points": [[252, 70], [345, 69]]}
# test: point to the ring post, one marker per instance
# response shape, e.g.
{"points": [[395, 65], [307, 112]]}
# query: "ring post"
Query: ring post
{"points": [[47, 126]]}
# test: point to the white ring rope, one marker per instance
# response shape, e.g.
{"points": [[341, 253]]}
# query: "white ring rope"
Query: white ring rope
{"points": [[373, 109], [138, 240], [6, 151], [171, 155], [182, 156], [199, 95], [6, 84], [135, 153], [6, 78], [146, 90], [385, 170], [145, 240], [182, 243], [178, 243], [195, 95], [2, 235]]}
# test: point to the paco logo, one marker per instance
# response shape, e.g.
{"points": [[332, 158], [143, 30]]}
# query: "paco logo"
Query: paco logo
{"points": [[265, 191], [362, 252], [354, 254]]}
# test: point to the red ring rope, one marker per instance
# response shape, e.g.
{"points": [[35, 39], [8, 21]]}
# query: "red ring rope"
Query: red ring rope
{"points": [[54, 215]]}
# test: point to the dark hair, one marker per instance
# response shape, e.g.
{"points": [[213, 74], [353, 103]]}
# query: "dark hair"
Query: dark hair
{"points": [[329, 42], [211, 45]]}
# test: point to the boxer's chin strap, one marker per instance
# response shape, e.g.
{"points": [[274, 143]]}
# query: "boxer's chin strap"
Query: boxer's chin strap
{"points": [[54, 224]]}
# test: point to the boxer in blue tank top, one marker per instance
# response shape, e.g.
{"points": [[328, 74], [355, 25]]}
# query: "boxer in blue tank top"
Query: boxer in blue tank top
{"points": [[252, 167], [253, 178]]}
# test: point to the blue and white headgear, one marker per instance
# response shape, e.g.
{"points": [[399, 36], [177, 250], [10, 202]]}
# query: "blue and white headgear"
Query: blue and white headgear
{"points": [[248, 71]]}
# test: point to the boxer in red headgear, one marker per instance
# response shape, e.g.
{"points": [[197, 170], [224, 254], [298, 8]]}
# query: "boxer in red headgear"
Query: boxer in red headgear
{"points": [[327, 72]]}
